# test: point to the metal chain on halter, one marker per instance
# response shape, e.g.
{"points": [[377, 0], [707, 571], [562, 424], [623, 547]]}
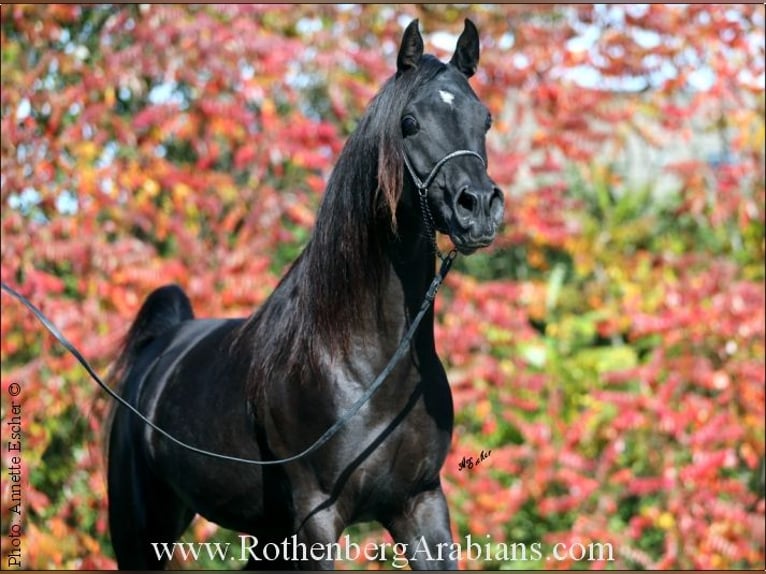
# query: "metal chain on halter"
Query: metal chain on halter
{"points": [[428, 219]]}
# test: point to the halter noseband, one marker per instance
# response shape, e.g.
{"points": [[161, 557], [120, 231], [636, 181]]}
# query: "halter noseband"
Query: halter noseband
{"points": [[423, 191], [423, 185]]}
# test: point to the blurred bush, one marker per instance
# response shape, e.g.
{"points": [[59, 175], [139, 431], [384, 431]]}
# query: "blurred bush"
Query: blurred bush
{"points": [[608, 350]]}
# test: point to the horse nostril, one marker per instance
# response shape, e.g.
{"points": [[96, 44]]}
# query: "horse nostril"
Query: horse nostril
{"points": [[496, 205], [467, 200]]}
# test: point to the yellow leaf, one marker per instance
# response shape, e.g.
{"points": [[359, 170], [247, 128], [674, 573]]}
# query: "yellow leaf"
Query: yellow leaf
{"points": [[86, 151], [181, 191], [109, 98], [666, 521], [150, 188], [483, 409]]}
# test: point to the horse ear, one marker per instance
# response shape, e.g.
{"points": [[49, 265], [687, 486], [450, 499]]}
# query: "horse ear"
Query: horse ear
{"points": [[411, 49], [466, 56]]}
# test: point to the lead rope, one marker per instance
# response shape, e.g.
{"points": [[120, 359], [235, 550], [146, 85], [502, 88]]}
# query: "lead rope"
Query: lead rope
{"points": [[446, 265], [328, 434]]}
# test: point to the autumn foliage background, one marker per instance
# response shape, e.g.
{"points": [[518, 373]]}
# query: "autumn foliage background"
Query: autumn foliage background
{"points": [[608, 349]]}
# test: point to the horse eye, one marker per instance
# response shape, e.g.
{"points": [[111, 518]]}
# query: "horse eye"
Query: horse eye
{"points": [[488, 122], [409, 126]]}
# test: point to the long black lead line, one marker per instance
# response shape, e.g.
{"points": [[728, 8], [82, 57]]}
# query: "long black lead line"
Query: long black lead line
{"points": [[328, 434]]}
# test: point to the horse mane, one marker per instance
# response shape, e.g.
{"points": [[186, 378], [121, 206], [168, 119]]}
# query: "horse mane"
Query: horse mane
{"points": [[357, 218], [339, 276]]}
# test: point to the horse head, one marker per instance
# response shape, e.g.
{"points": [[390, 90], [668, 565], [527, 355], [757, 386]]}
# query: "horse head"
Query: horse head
{"points": [[444, 127]]}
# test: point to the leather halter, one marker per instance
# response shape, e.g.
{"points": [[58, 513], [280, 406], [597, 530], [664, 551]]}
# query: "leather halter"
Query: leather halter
{"points": [[423, 190]]}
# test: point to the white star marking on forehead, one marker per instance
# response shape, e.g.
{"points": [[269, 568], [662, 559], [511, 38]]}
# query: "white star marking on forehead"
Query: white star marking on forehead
{"points": [[447, 98]]}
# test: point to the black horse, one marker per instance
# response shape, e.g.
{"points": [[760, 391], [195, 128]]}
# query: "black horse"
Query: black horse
{"points": [[267, 386]]}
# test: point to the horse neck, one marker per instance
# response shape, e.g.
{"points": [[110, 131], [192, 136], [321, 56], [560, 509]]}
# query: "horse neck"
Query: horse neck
{"points": [[412, 260], [402, 263]]}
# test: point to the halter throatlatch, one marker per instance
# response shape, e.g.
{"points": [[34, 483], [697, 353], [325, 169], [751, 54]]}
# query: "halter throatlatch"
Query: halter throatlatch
{"points": [[423, 193]]}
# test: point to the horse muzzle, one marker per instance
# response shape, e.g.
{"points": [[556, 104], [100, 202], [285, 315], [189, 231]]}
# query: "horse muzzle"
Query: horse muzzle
{"points": [[477, 215]]}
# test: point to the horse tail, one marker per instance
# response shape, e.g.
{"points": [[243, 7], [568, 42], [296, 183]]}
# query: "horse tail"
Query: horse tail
{"points": [[163, 309]]}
